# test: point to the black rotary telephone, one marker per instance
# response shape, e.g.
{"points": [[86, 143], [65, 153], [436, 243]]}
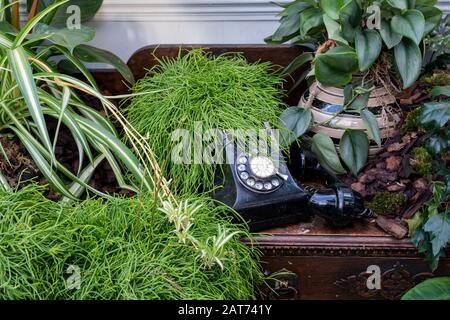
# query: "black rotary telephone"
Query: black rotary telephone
{"points": [[262, 189]]}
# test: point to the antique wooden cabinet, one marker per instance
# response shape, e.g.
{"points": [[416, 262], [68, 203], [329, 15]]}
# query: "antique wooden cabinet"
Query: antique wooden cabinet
{"points": [[312, 260]]}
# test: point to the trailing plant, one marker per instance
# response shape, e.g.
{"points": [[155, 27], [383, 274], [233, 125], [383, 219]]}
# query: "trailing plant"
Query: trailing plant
{"points": [[430, 229], [32, 90], [354, 144], [430, 289], [194, 94], [353, 40], [123, 249], [347, 41]]}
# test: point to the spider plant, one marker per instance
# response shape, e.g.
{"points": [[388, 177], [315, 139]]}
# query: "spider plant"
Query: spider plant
{"points": [[31, 90]]}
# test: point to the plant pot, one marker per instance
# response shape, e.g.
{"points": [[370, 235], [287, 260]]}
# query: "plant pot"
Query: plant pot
{"points": [[327, 98]]}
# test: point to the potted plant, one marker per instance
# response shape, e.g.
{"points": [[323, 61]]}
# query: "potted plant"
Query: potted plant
{"points": [[363, 50], [150, 246]]}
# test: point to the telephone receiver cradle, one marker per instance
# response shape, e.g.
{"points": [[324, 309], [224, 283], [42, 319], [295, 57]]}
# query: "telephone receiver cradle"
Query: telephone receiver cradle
{"points": [[267, 195]]}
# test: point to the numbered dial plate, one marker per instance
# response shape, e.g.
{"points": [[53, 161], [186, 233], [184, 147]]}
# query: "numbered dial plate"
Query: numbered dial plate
{"points": [[258, 174]]}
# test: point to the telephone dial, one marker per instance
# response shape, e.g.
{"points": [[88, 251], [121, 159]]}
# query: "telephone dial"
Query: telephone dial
{"points": [[267, 195]]}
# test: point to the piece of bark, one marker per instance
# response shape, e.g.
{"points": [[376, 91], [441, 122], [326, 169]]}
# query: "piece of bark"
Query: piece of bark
{"points": [[422, 199], [381, 165], [393, 163], [420, 184], [396, 187], [392, 227], [367, 178], [406, 168], [397, 146], [359, 188]]}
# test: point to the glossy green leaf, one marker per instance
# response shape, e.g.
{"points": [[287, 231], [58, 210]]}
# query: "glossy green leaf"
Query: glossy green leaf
{"points": [[354, 149], [439, 227], [323, 147], [371, 124], [431, 289], [368, 48], [399, 4], [309, 19], [350, 18], [433, 16], [436, 112], [410, 24], [336, 66], [408, 60], [28, 27], [332, 7], [68, 38], [359, 102], [334, 30], [390, 37], [95, 55], [297, 63], [88, 9], [296, 121], [289, 26], [440, 91]]}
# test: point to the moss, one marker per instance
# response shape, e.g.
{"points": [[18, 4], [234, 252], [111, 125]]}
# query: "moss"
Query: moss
{"points": [[421, 161], [438, 79], [412, 121], [388, 203]]}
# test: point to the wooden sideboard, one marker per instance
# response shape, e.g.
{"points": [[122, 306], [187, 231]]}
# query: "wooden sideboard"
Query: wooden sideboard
{"points": [[311, 260]]}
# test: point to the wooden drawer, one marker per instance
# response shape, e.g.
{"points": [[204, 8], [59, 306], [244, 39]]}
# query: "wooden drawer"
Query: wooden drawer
{"points": [[336, 264]]}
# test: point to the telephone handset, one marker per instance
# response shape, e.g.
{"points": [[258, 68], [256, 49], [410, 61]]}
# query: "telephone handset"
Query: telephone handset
{"points": [[262, 189]]}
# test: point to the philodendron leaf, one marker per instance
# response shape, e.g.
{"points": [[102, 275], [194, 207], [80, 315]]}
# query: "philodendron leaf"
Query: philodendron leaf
{"points": [[323, 147], [336, 66], [440, 91], [91, 54], [408, 60], [390, 37], [354, 149], [333, 29], [371, 124], [296, 121], [68, 38], [332, 7], [368, 47], [433, 16], [359, 102], [399, 4], [410, 24], [435, 112], [350, 18], [88, 9], [439, 227], [431, 289], [309, 19], [298, 62]]}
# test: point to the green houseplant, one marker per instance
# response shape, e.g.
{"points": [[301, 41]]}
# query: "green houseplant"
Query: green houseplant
{"points": [[380, 41], [32, 89], [185, 247]]}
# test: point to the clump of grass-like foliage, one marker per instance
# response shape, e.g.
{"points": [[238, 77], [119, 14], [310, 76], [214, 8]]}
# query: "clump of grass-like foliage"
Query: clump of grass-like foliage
{"points": [[225, 92], [124, 248]]}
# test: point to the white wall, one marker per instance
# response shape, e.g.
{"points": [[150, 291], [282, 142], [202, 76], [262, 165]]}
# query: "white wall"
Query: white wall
{"points": [[124, 26]]}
